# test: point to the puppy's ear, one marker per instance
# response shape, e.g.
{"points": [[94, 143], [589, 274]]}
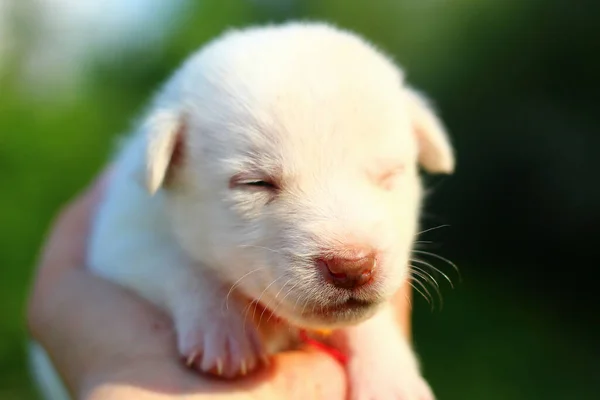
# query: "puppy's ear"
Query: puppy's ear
{"points": [[163, 132], [435, 151]]}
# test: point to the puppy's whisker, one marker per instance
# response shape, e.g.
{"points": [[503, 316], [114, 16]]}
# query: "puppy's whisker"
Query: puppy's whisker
{"points": [[296, 303], [418, 291], [261, 315], [258, 301], [437, 270], [252, 303], [416, 260], [267, 288], [305, 301], [313, 294], [260, 247], [433, 229], [271, 309], [289, 291], [281, 289], [423, 242], [236, 284], [275, 299], [428, 279], [439, 258], [422, 286], [425, 275]]}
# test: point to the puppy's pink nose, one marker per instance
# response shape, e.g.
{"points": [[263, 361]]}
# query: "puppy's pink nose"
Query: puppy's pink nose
{"points": [[348, 272]]}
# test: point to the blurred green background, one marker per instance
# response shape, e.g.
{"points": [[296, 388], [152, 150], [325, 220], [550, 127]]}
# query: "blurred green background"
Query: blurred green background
{"points": [[517, 83]]}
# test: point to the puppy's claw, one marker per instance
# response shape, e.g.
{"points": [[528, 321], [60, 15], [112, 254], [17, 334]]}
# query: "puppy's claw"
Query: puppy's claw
{"points": [[219, 367], [191, 358]]}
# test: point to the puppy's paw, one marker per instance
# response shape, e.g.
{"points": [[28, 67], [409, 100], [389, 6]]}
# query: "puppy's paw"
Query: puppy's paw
{"points": [[224, 344]]}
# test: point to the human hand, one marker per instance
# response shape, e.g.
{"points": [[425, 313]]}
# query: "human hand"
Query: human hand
{"points": [[107, 343]]}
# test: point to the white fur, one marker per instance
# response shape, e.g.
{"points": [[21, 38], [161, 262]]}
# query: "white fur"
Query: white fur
{"points": [[328, 118]]}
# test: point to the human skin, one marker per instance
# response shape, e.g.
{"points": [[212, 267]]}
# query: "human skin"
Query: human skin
{"points": [[109, 344]]}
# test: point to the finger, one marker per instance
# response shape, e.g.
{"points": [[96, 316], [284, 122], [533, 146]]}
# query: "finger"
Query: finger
{"points": [[308, 374], [67, 242], [76, 216]]}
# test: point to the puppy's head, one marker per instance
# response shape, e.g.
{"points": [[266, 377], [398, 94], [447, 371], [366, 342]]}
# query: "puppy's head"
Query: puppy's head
{"points": [[289, 156]]}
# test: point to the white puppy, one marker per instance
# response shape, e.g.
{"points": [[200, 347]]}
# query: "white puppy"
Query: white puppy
{"points": [[273, 187]]}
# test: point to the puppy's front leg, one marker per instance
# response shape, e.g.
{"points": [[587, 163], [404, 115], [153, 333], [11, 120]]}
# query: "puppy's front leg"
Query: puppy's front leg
{"points": [[381, 363], [215, 329]]}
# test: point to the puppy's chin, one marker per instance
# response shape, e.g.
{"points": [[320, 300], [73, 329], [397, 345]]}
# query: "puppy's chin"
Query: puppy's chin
{"points": [[336, 315]]}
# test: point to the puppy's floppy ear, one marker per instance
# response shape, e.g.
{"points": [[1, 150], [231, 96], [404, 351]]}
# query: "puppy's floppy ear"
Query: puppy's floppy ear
{"points": [[163, 132], [435, 151]]}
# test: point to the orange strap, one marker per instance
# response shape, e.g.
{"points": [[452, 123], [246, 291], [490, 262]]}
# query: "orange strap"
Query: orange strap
{"points": [[335, 353]]}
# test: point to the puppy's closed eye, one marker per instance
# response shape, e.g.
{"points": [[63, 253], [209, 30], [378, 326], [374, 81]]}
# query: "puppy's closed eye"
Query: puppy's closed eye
{"points": [[256, 182], [260, 184], [388, 178]]}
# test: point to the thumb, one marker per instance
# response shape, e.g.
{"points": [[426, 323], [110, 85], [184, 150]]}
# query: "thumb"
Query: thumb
{"points": [[308, 374], [66, 245]]}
